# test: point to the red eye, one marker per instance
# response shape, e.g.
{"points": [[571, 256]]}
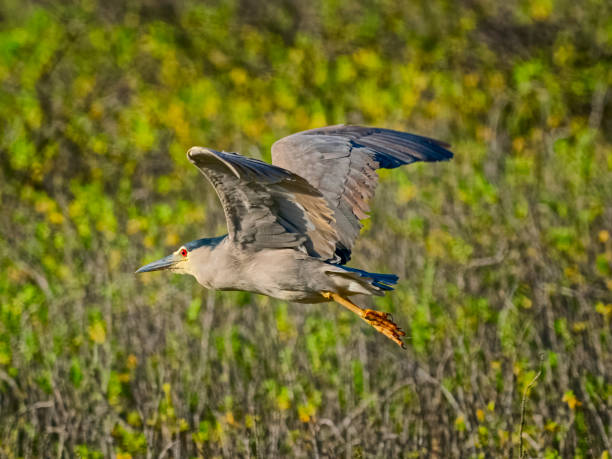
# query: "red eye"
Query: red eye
{"points": [[184, 252]]}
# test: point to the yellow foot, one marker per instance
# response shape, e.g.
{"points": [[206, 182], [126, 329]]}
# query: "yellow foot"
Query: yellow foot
{"points": [[381, 321], [384, 324]]}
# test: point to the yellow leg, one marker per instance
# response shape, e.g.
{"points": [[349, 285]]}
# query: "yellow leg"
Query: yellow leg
{"points": [[381, 321]]}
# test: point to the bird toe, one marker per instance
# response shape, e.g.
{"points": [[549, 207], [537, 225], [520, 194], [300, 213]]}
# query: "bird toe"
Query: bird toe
{"points": [[383, 323]]}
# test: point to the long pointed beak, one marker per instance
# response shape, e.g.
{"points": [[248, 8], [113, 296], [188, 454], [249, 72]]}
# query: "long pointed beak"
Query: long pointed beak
{"points": [[164, 263]]}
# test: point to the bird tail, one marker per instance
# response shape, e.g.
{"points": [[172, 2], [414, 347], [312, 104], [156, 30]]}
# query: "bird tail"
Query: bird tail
{"points": [[368, 283]]}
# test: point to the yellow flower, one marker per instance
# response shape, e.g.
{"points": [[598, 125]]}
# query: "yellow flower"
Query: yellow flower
{"points": [[97, 332], [132, 361], [229, 418], [604, 309], [571, 400], [460, 423], [306, 412]]}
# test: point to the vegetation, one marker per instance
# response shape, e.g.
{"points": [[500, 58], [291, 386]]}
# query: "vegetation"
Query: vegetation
{"points": [[504, 254]]}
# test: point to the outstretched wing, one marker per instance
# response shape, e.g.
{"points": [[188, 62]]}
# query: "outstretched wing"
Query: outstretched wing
{"points": [[266, 206], [340, 161]]}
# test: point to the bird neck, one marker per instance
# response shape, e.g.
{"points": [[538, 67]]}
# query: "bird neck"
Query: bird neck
{"points": [[209, 261]]}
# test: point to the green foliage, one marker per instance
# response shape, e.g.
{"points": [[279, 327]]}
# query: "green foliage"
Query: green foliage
{"points": [[504, 254]]}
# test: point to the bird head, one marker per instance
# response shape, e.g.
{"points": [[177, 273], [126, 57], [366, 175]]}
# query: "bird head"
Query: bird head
{"points": [[188, 259], [177, 261]]}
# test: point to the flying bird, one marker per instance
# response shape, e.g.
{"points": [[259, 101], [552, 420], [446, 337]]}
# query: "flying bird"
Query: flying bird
{"points": [[292, 224]]}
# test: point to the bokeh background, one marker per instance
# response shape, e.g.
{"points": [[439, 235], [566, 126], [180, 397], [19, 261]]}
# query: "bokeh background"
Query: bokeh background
{"points": [[504, 254]]}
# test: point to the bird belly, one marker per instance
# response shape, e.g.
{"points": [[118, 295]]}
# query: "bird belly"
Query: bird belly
{"points": [[300, 296], [286, 274]]}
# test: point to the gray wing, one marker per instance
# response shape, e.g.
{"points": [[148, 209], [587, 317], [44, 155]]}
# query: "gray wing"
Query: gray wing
{"points": [[266, 206], [340, 161]]}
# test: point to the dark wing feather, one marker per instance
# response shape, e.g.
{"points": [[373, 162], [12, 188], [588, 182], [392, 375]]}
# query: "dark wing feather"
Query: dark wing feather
{"points": [[266, 206], [341, 162]]}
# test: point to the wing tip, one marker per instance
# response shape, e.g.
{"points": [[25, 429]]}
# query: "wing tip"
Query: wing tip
{"points": [[441, 153], [442, 149], [201, 157], [432, 149], [196, 151]]}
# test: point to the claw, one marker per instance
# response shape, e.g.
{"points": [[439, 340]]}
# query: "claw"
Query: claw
{"points": [[383, 323]]}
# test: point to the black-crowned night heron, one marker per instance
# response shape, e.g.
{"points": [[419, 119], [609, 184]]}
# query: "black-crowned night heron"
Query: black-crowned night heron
{"points": [[292, 224]]}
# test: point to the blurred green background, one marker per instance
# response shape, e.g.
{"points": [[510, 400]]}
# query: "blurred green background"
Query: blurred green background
{"points": [[504, 254]]}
